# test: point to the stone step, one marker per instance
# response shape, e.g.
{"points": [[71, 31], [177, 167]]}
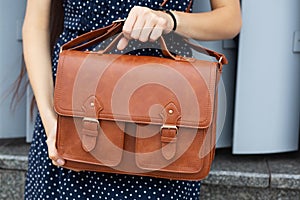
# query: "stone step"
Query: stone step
{"points": [[242, 177], [257, 177]]}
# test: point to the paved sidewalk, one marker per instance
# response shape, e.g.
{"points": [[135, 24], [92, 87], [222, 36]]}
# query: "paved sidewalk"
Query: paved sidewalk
{"points": [[243, 177]]}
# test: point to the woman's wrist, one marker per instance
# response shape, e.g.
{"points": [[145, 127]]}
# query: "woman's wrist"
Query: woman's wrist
{"points": [[49, 118], [173, 19], [169, 21]]}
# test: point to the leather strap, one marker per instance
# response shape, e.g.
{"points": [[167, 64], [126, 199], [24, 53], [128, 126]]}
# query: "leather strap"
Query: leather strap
{"points": [[90, 124], [93, 37], [163, 45], [90, 132], [170, 115]]}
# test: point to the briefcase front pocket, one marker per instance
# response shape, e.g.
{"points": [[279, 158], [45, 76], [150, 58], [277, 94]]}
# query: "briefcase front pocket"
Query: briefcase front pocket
{"points": [[170, 150], [91, 142]]}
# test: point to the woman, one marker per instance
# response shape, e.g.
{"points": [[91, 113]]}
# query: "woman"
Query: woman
{"points": [[45, 179]]}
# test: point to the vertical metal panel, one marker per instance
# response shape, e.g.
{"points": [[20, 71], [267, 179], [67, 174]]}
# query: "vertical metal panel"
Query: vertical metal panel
{"points": [[12, 123], [268, 79]]}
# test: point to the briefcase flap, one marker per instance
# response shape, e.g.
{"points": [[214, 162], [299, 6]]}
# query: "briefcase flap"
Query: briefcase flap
{"points": [[138, 89]]}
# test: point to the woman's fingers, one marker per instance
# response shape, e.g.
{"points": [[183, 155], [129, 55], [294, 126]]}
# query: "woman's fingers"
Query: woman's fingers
{"points": [[122, 43], [129, 23], [53, 154], [144, 24], [56, 160], [158, 29], [52, 151]]}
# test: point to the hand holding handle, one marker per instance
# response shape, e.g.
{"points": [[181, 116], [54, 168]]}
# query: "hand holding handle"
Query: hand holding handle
{"points": [[95, 37]]}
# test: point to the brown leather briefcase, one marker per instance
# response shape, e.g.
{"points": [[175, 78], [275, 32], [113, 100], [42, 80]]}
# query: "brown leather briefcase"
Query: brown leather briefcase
{"points": [[140, 115]]}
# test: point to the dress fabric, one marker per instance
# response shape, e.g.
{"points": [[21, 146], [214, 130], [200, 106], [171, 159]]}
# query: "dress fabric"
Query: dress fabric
{"points": [[46, 181]]}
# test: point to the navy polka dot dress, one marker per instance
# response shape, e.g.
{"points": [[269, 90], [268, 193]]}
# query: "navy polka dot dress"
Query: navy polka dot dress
{"points": [[46, 181]]}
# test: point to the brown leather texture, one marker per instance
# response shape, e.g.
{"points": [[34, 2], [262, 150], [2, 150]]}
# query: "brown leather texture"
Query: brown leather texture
{"points": [[140, 115]]}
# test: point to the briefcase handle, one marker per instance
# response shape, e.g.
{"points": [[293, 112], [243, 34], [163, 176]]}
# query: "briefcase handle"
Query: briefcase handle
{"points": [[97, 36]]}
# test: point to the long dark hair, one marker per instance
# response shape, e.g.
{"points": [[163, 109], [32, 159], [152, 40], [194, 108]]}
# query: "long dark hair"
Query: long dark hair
{"points": [[55, 27]]}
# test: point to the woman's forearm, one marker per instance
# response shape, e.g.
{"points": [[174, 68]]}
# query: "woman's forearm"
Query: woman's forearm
{"points": [[144, 24], [38, 64], [223, 22], [37, 57]]}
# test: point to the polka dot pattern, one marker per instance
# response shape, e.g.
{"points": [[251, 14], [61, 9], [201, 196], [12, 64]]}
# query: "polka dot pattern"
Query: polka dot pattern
{"points": [[46, 181]]}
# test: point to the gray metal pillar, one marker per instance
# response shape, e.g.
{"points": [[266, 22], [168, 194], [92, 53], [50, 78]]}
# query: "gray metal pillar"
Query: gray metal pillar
{"points": [[12, 123], [268, 78]]}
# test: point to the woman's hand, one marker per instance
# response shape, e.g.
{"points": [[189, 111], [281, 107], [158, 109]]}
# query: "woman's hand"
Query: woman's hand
{"points": [[51, 127], [145, 24]]}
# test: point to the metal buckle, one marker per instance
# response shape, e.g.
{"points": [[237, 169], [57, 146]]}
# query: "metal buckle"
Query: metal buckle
{"points": [[167, 126], [89, 119], [220, 60]]}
